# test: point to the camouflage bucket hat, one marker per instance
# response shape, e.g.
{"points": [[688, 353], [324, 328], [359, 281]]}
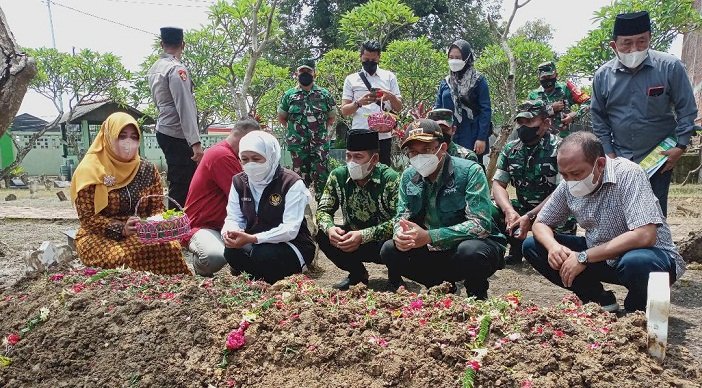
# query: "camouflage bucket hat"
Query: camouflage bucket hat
{"points": [[532, 108], [547, 69]]}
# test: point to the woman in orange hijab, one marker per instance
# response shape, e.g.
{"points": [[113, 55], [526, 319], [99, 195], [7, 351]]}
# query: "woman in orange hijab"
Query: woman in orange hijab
{"points": [[106, 188]]}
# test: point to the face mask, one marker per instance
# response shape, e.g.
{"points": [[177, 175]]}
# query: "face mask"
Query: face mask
{"points": [[425, 164], [456, 65], [127, 148], [527, 134], [358, 171], [370, 67], [632, 60], [305, 79], [256, 171], [583, 187], [548, 83]]}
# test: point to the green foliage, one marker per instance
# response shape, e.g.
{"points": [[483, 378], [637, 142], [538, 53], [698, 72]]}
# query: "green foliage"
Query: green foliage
{"points": [[332, 70], [376, 20], [494, 65], [537, 30], [83, 77], [668, 20], [418, 67]]}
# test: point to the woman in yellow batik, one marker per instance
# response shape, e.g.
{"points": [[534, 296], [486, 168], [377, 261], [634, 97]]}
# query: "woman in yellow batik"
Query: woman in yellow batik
{"points": [[105, 189]]}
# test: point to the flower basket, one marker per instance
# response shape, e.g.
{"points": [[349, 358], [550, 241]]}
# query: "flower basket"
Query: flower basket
{"points": [[154, 231], [382, 122]]}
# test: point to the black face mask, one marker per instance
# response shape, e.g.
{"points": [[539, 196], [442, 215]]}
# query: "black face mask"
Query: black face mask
{"points": [[305, 79], [528, 135], [370, 67], [548, 83]]}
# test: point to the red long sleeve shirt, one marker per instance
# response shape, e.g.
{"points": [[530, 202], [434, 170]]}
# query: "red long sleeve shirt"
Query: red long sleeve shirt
{"points": [[206, 204]]}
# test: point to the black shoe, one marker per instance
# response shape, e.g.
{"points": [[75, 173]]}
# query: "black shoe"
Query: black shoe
{"points": [[513, 260], [393, 286], [608, 302], [351, 281]]}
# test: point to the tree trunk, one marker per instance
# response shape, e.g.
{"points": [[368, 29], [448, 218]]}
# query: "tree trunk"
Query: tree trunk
{"points": [[500, 142], [16, 72]]}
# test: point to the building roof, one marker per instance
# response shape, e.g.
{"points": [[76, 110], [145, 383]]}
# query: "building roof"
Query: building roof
{"points": [[29, 123], [97, 112]]}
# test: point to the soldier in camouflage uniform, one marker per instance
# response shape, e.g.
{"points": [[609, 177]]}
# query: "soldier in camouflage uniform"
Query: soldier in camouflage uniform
{"points": [[444, 117], [307, 111], [529, 164], [561, 96]]}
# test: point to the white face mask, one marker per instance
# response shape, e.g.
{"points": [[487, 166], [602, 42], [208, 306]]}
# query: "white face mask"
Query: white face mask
{"points": [[425, 164], [632, 60], [256, 171], [456, 65], [583, 187], [358, 171]]}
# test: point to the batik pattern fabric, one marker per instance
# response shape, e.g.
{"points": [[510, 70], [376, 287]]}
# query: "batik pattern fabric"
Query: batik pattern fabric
{"points": [[99, 240]]}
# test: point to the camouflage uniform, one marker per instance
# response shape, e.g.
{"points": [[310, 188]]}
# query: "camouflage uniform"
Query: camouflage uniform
{"points": [[563, 91], [533, 171], [307, 137], [461, 152]]}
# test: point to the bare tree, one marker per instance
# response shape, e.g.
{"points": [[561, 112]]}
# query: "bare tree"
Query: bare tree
{"points": [[502, 34], [16, 72]]}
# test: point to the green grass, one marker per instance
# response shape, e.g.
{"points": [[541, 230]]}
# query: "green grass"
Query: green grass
{"points": [[689, 190]]}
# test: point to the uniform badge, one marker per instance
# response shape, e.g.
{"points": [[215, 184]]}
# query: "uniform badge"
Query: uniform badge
{"points": [[275, 199], [183, 74]]}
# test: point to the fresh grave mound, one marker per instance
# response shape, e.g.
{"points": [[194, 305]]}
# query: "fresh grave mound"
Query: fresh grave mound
{"points": [[123, 328]]}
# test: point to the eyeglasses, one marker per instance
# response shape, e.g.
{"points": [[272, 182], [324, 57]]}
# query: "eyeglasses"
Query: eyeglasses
{"points": [[428, 150]]}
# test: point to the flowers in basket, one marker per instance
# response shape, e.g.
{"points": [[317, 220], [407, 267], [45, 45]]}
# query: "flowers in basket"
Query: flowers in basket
{"points": [[167, 226]]}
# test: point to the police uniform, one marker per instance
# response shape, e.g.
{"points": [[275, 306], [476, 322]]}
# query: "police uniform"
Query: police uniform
{"points": [[444, 117], [567, 92], [533, 171], [176, 126], [307, 136]]}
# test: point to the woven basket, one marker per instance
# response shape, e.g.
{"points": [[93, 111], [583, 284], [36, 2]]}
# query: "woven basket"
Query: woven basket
{"points": [[382, 122], [154, 232]]}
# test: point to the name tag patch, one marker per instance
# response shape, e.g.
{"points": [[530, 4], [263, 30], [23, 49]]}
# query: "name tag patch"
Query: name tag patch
{"points": [[656, 91]]}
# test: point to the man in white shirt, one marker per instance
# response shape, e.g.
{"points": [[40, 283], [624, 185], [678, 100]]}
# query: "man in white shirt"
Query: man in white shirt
{"points": [[360, 102]]}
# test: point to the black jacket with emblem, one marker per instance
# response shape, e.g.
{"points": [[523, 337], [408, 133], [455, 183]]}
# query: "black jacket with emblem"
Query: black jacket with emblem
{"points": [[271, 208]]}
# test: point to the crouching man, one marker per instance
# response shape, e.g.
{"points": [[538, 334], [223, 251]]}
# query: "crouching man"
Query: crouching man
{"points": [[366, 192], [443, 227], [626, 235]]}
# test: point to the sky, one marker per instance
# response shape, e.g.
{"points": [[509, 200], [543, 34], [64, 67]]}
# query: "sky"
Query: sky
{"points": [[92, 24]]}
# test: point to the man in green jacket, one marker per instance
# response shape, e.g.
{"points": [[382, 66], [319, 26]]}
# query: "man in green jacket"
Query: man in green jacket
{"points": [[443, 228]]}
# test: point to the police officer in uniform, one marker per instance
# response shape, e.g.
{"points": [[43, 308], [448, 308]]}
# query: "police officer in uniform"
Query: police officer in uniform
{"points": [[176, 127], [307, 111]]}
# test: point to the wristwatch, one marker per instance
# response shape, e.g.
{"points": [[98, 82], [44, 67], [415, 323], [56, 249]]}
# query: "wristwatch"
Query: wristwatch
{"points": [[582, 257], [531, 216]]}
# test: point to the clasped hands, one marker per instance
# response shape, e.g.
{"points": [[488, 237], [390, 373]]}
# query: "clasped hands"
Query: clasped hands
{"points": [[237, 239], [565, 261], [410, 236]]}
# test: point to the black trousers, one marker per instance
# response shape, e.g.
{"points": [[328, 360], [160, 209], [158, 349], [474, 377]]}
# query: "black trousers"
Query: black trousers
{"points": [[385, 151], [181, 167], [473, 261], [350, 261], [267, 262]]}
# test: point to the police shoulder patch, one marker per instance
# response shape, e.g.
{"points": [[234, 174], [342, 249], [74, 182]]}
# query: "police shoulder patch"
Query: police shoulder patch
{"points": [[183, 74]]}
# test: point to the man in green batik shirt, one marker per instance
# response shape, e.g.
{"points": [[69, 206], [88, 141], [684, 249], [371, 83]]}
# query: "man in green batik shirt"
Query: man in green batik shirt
{"points": [[529, 164], [444, 117], [307, 111], [366, 192], [560, 96], [443, 228]]}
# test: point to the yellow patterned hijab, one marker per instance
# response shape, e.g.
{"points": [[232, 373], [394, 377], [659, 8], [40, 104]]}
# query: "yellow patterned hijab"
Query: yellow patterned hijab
{"points": [[100, 166]]}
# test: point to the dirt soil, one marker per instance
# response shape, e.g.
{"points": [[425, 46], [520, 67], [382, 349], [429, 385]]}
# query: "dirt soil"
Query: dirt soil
{"points": [[114, 328], [171, 331]]}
